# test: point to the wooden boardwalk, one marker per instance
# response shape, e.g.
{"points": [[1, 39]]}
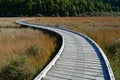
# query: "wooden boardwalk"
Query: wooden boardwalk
{"points": [[79, 60]]}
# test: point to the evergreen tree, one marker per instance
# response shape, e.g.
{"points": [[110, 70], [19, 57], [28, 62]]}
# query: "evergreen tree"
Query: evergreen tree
{"points": [[56, 7]]}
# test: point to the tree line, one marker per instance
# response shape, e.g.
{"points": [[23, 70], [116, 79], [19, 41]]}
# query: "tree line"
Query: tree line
{"points": [[56, 7]]}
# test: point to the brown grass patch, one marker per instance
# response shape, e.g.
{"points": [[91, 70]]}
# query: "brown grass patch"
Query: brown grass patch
{"points": [[9, 22], [14, 44]]}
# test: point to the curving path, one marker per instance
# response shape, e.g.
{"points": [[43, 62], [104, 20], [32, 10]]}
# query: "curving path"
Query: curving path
{"points": [[80, 59]]}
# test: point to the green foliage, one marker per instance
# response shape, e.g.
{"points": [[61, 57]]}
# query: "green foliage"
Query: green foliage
{"points": [[114, 48], [113, 51], [16, 70], [56, 7], [34, 50]]}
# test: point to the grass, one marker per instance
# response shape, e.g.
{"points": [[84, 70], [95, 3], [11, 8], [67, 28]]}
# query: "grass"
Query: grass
{"points": [[23, 51], [33, 45], [10, 22], [104, 30]]}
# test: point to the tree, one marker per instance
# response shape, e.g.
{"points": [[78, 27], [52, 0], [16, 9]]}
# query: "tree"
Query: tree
{"points": [[56, 7], [27, 9]]}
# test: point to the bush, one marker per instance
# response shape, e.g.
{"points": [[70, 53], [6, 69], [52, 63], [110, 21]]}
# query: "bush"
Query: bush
{"points": [[16, 70], [113, 48], [39, 15], [34, 50]]}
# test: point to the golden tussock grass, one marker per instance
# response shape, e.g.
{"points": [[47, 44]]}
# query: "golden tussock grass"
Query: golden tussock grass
{"points": [[9, 22], [16, 43], [20, 39]]}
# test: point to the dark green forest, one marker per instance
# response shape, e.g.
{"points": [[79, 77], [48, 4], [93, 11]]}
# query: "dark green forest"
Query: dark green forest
{"points": [[57, 7]]}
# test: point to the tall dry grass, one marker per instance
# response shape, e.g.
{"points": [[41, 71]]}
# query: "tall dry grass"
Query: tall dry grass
{"points": [[15, 44], [9, 22], [104, 30]]}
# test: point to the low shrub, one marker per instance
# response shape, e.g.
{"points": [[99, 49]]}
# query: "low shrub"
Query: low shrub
{"points": [[34, 50], [16, 70], [39, 15], [113, 48]]}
